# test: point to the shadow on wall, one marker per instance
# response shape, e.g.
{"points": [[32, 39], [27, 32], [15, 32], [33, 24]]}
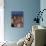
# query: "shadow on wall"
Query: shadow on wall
{"points": [[14, 34]]}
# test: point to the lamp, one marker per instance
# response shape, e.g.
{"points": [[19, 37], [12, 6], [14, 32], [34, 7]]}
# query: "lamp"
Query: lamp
{"points": [[39, 16]]}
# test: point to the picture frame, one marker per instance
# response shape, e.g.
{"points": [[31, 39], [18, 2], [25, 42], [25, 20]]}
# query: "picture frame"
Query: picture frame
{"points": [[17, 19]]}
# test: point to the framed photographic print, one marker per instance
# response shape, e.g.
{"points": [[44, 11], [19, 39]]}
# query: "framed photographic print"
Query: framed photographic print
{"points": [[17, 19]]}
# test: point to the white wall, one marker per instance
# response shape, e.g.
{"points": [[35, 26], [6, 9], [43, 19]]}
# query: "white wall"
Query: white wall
{"points": [[1, 20], [43, 6]]}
